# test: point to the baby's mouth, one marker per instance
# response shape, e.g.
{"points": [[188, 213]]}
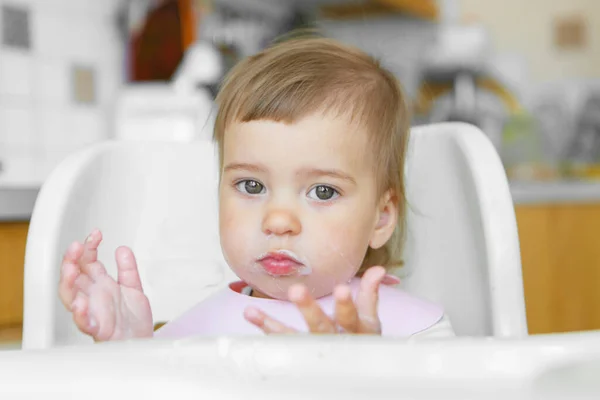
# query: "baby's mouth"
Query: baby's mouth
{"points": [[282, 263]]}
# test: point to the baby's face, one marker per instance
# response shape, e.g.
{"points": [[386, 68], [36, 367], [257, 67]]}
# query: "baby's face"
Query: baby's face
{"points": [[298, 203]]}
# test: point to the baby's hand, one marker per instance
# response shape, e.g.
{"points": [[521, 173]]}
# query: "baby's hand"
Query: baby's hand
{"points": [[361, 318], [102, 307]]}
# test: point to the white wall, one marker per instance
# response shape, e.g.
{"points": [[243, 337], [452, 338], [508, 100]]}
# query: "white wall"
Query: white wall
{"points": [[525, 27], [40, 122]]}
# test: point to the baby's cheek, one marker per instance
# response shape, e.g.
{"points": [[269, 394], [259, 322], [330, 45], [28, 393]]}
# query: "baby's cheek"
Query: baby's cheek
{"points": [[239, 235], [231, 232], [341, 249]]}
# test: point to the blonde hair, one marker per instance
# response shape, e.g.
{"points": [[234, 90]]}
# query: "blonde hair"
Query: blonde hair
{"points": [[298, 77]]}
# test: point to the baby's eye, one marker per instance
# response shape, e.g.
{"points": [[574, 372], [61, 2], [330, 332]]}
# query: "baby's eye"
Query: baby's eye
{"points": [[322, 193], [249, 186]]}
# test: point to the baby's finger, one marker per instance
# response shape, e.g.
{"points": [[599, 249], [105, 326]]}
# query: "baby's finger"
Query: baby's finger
{"points": [[390, 280], [346, 315], [127, 269], [83, 284], [73, 253], [90, 247], [78, 253], [82, 317], [106, 320], [368, 298], [69, 272], [266, 323], [94, 270], [316, 319]]}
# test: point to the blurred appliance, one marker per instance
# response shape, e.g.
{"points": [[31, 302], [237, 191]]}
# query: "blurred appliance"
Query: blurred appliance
{"points": [[181, 110], [459, 84]]}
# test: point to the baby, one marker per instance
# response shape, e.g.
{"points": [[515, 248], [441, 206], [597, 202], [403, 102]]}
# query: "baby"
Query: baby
{"points": [[312, 137]]}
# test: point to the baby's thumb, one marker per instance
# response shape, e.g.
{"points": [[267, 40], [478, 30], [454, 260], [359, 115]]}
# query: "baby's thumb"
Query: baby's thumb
{"points": [[127, 270], [390, 280]]}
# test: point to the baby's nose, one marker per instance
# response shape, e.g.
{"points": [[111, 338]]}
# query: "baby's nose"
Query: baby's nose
{"points": [[281, 222]]}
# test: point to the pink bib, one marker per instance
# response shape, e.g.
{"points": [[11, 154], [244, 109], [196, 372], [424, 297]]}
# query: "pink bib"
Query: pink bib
{"points": [[222, 313]]}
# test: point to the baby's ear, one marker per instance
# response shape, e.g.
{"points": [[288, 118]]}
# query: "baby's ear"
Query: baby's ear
{"points": [[387, 219]]}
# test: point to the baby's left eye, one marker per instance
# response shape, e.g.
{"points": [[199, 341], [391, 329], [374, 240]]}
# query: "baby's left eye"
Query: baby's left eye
{"points": [[323, 193]]}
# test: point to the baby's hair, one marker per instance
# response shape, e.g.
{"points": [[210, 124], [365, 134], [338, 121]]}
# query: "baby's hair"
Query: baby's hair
{"points": [[304, 75]]}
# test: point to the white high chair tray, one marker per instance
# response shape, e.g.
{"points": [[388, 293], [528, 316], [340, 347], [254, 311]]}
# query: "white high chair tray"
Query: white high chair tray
{"points": [[312, 367]]}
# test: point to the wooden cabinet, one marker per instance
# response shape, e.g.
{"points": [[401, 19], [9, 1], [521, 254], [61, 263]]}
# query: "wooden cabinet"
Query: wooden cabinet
{"points": [[560, 252], [13, 237]]}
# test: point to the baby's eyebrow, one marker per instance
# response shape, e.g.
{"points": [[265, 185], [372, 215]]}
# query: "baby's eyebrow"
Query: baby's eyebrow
{"points": [[244, 167], [333, 173]]}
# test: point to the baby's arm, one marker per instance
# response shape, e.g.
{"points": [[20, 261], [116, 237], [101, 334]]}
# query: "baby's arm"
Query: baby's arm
{"points": [[442, 329]]}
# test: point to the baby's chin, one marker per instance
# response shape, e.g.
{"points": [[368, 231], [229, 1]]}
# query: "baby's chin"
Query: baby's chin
{"points": [[277, 288]]}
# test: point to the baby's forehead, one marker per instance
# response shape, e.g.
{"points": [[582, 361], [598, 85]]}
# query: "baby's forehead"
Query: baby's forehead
{"points": [[325, 141], [337, 133]]}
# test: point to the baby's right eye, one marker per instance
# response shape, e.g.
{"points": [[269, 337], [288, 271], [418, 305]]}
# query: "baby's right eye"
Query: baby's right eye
{"points": [[250, 186]]}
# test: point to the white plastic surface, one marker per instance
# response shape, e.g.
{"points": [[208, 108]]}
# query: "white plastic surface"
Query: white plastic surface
{"points": [[161, 199], [462, 242], [312, 367], [82, 374]]}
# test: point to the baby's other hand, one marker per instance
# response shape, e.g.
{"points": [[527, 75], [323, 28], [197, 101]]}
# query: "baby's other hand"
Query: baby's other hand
{"points": [[359, 318], [102, 307]]}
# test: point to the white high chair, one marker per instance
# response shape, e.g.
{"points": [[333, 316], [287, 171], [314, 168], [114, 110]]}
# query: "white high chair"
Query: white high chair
{"points": [[161, 200]]}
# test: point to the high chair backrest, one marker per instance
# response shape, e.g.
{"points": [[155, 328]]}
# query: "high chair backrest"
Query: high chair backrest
{"points": [[462, 245], [161, 200]]}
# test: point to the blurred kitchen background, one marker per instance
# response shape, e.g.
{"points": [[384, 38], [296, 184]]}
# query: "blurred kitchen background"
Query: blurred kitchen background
{"points": [[77, 72]]}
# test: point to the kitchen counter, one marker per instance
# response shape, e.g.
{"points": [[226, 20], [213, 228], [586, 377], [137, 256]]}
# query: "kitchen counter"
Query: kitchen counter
{"points": [[16, 203], [20, 183], [560, 192]]}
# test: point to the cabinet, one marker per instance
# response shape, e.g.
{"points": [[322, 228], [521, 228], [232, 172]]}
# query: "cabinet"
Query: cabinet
{"points": [[13, 237], [560, 255]]}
